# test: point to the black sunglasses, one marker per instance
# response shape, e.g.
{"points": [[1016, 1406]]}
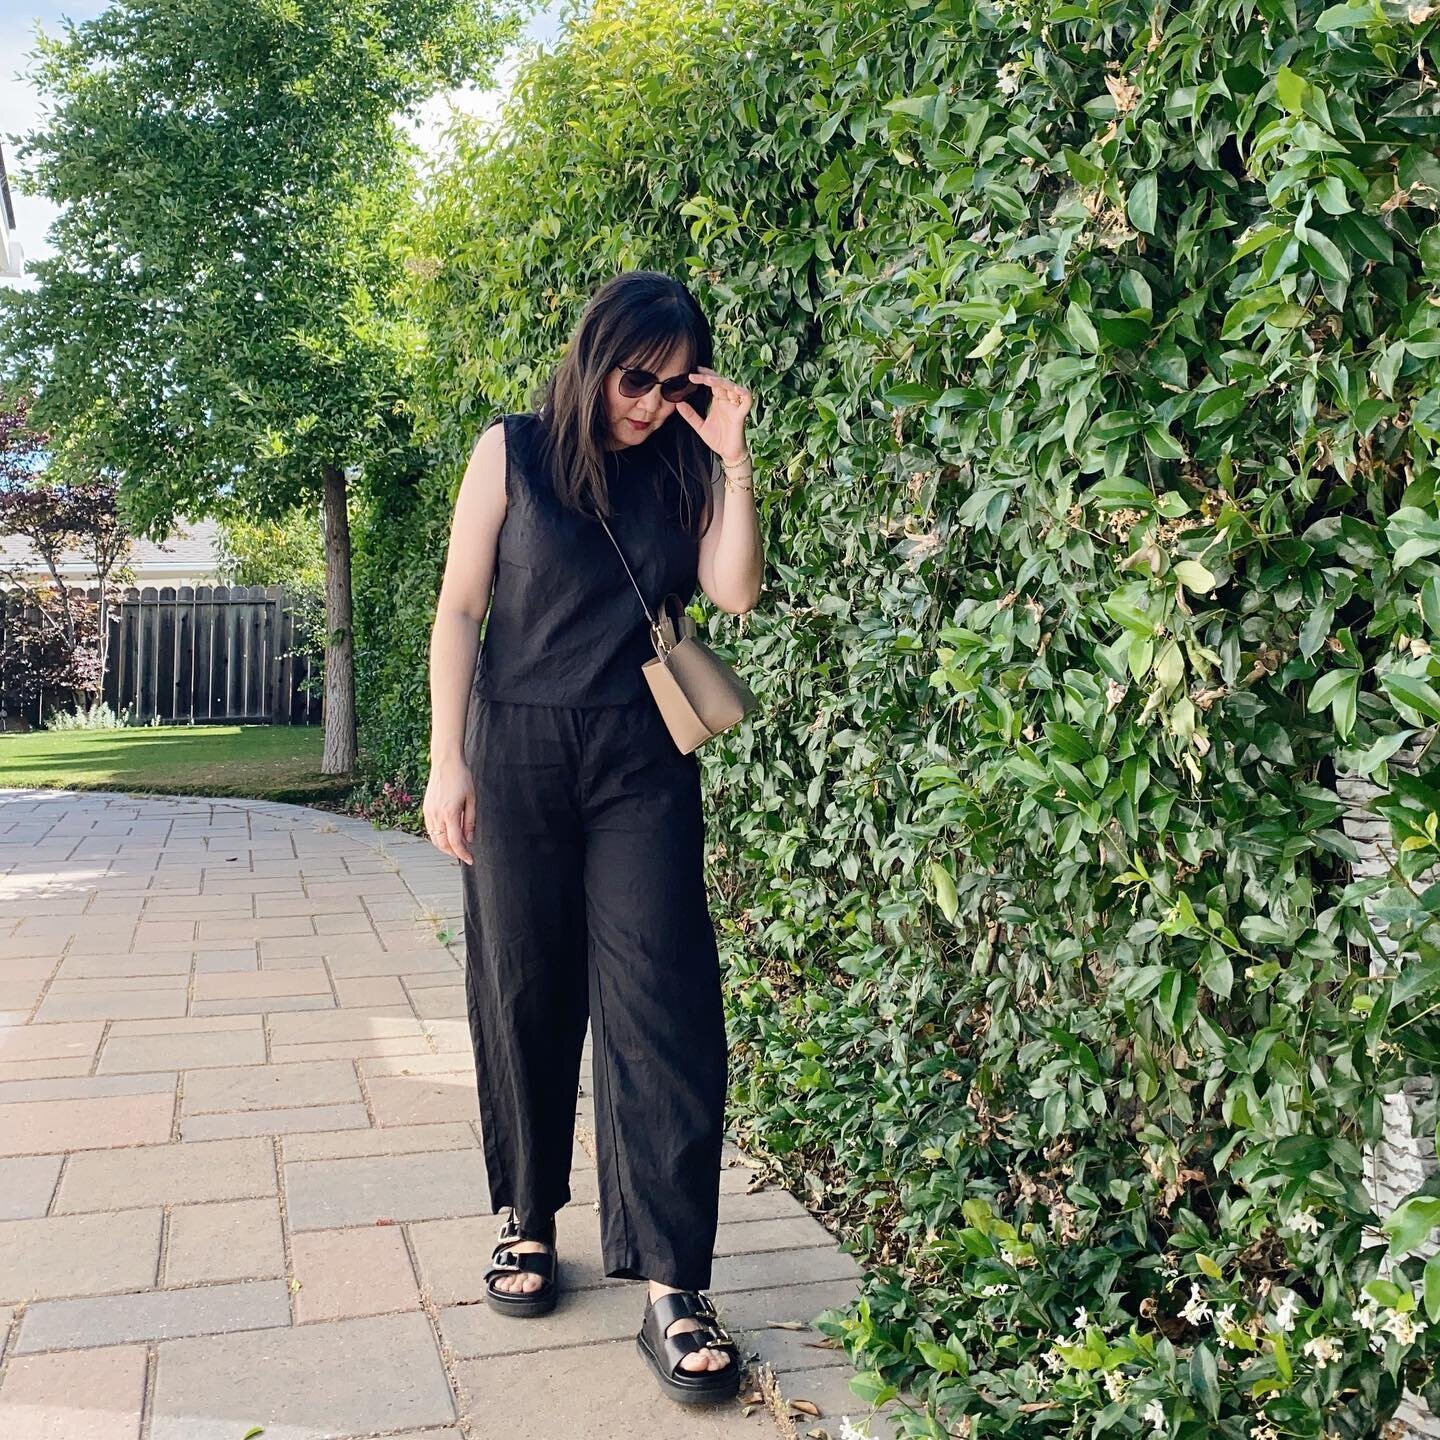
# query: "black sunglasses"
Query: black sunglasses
{"points": [[635, 383]]}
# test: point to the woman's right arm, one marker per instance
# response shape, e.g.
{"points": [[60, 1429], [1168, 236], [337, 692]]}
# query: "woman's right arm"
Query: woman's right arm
{"points": [[455, 641]]}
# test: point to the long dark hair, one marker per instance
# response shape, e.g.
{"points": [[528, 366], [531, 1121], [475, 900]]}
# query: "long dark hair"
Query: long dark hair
{"points": [[634, 318]]}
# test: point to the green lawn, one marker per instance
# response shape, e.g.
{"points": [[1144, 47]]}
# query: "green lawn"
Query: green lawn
{"points": [[261, 762]]}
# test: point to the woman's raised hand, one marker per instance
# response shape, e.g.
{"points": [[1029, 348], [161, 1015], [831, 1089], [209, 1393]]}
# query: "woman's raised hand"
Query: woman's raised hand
{"points": [[723, 429]]}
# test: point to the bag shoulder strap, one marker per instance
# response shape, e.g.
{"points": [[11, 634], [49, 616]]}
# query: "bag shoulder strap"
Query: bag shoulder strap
{"points": [[626, 564]]}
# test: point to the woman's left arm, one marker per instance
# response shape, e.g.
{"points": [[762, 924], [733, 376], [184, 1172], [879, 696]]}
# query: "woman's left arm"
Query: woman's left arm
{"points": [[732, 555]]}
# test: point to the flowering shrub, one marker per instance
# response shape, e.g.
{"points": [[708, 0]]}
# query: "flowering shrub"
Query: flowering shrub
{"points": [[1095, 349], [391, 806], [96, 716], [1165, 415]]}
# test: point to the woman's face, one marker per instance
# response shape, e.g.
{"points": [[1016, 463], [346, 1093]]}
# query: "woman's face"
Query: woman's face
{"points": [[651, 411]]}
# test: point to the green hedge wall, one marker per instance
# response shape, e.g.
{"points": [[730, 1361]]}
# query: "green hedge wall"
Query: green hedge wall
{"points": [[1095, 353]]}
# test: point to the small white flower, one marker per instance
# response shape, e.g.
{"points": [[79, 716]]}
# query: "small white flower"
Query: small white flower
{"points": [[1170, 1270], [1007, 1254], [1007, 78], [1053, 1361], [849, 1432], [1304, 1222], [1082, 1319], [1197, 1309], [1155, 1416], [1405, 1328], [1225, 1326], [1322, 1350], [1377, 1343], [1116, 1385], [1286, 1310], [1263, 1432], [1367, 1316], [990, 1291]]}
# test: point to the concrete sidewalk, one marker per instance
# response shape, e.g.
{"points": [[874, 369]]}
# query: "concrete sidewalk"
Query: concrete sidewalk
{"points": [[241, 1182]]}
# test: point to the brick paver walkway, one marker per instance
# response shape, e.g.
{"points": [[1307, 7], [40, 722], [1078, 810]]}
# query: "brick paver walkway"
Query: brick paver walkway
{"points": [[241, 1182]]}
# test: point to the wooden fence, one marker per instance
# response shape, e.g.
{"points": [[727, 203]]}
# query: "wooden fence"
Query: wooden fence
{"points": [[198, 655]]}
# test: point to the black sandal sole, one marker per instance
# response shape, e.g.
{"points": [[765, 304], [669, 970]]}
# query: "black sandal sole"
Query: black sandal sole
{"points": [[522, 1305], [709, 1392]]}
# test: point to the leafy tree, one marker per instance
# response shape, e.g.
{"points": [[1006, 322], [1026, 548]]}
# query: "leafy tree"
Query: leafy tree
{"points": [[56, 636], [1097, 366], [216, 327], [288, 551]]}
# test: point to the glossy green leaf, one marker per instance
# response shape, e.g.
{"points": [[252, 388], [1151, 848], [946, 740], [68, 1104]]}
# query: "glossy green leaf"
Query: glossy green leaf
{"points": [[1140, 206]]}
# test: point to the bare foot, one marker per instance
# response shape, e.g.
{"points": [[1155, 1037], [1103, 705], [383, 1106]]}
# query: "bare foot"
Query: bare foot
{"points": [[524, 1280], [520, 1282], [706, 1359]]}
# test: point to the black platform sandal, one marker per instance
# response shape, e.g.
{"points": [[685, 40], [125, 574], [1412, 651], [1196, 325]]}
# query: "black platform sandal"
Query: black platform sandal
{"points": [[505, 1261], [665, 1352]]}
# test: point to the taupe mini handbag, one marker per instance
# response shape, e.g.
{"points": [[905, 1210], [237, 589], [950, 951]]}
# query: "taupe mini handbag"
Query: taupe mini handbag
{"points": [[699, 695]]}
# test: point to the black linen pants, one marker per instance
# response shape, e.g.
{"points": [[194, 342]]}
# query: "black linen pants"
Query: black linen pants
{"points": [[587, 899]]}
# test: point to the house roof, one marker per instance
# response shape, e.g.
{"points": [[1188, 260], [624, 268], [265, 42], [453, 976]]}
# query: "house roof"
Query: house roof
{"points": [[192, 547]]}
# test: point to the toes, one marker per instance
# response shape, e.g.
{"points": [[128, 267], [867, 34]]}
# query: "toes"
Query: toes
{"points": [[517, 1284], [705, 1360]]}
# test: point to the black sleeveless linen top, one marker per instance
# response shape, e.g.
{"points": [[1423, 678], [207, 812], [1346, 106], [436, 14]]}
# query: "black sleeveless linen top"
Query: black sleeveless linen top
{"points": [[564, 624]]}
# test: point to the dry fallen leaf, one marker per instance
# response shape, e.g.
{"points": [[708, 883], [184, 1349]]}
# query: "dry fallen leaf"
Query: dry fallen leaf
{"points": [[385, 1221], [806, 1407], [787, 1325]]}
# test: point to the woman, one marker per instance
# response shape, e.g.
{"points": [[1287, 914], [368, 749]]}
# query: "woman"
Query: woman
{"points": [[583, 878]]}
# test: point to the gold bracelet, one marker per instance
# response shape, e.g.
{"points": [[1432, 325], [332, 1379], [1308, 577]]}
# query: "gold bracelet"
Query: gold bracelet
{"points": [[736, 464]]}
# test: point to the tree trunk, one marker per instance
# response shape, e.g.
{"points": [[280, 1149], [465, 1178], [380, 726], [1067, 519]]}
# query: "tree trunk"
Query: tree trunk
{"points": [[339, 756], [104, 633]]}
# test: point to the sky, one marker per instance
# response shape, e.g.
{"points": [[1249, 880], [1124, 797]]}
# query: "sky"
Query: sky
{"points": [[20, 106]]}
